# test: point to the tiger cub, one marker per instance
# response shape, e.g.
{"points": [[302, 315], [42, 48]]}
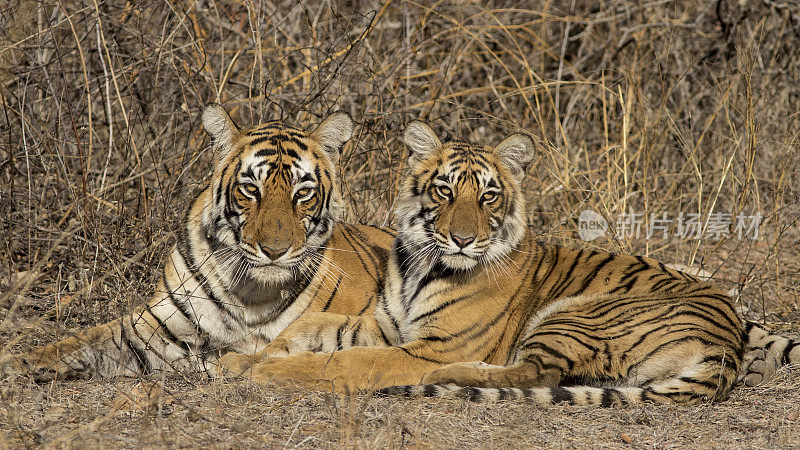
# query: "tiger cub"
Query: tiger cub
{"points": [[261, 244], [474, 307]]}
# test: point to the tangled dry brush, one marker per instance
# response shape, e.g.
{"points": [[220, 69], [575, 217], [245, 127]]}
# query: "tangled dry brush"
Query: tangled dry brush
{"points": [[650, 106]]}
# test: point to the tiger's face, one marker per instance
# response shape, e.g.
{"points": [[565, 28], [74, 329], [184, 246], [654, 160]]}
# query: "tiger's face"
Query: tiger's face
{"points": [[462, 204], [275, 199]]}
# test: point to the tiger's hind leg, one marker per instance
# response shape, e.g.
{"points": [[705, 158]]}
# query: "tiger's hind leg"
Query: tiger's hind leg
{"points": [[136, 343], [550, 373], [545, 358], [665, 350]]}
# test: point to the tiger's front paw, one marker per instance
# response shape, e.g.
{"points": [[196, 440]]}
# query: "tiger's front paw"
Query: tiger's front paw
{"points": [[299, 369], [13, 365], [277, 348], [236, 364]]}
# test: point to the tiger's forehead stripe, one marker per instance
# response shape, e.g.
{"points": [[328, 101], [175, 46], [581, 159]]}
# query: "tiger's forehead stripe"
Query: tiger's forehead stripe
{"points": [[277, 126], [466, 163], [465, 156], [273, 151], [278, 143], [277, 138], [460, 163]]}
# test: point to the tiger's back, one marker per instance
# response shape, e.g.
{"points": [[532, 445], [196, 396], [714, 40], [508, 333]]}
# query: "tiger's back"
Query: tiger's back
{"points": [[625, 329]]}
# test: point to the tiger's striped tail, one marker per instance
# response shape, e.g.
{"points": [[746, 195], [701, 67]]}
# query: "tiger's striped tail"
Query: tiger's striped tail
{"points": [[765, 354], [573, 395]]}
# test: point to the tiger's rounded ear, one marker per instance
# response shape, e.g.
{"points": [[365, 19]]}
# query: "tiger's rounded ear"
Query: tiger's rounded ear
{"points": [[333, 132], [220, 127], [420, 139], [516, 151]]}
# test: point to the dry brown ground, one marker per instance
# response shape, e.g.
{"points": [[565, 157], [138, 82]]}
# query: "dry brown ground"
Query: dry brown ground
{"points": [[648, 106], [189, 413]]}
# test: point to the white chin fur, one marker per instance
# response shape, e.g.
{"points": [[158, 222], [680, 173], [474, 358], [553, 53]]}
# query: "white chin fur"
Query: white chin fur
{"points": [[459, 261], [270, 274]]}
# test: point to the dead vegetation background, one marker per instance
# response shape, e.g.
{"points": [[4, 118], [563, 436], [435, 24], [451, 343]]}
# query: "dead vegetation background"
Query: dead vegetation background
{"points": [[661, 107]]}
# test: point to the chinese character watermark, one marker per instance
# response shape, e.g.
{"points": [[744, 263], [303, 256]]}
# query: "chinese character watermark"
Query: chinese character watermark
{"points": [[688, 226], [657, 224]]}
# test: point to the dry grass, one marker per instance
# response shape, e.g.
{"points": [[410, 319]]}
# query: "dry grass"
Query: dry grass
{"points": [[647, 106], [180, 413]]}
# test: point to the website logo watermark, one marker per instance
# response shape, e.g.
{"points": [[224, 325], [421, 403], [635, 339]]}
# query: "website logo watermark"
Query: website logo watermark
{"points": [[688, 226], [591, 225]]}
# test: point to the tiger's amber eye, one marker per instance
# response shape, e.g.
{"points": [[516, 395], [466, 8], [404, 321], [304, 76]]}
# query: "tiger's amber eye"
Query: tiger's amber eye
{"points": [[248, 189], [444, 191], [304, 195], [489, 197]]}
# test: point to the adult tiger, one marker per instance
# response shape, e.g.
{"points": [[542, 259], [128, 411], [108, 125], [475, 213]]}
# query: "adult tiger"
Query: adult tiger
{"points": [[260, 245], [475, 307]]}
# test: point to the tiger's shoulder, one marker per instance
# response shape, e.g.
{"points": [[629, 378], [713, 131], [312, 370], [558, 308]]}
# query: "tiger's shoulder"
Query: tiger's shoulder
{"points": [[353, 269]]}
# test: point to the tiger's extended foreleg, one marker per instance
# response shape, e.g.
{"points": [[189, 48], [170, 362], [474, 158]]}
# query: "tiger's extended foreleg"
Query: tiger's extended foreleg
{"points": [[74, 357], [134, 344], [347, 371], [317, 332]]}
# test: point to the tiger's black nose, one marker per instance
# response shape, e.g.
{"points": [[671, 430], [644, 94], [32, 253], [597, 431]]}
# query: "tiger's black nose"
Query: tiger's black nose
{"points": [[274, 253], [462, 241]]}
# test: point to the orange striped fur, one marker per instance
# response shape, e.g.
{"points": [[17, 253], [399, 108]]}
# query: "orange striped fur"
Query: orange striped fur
{"points": [[475, 307]]}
